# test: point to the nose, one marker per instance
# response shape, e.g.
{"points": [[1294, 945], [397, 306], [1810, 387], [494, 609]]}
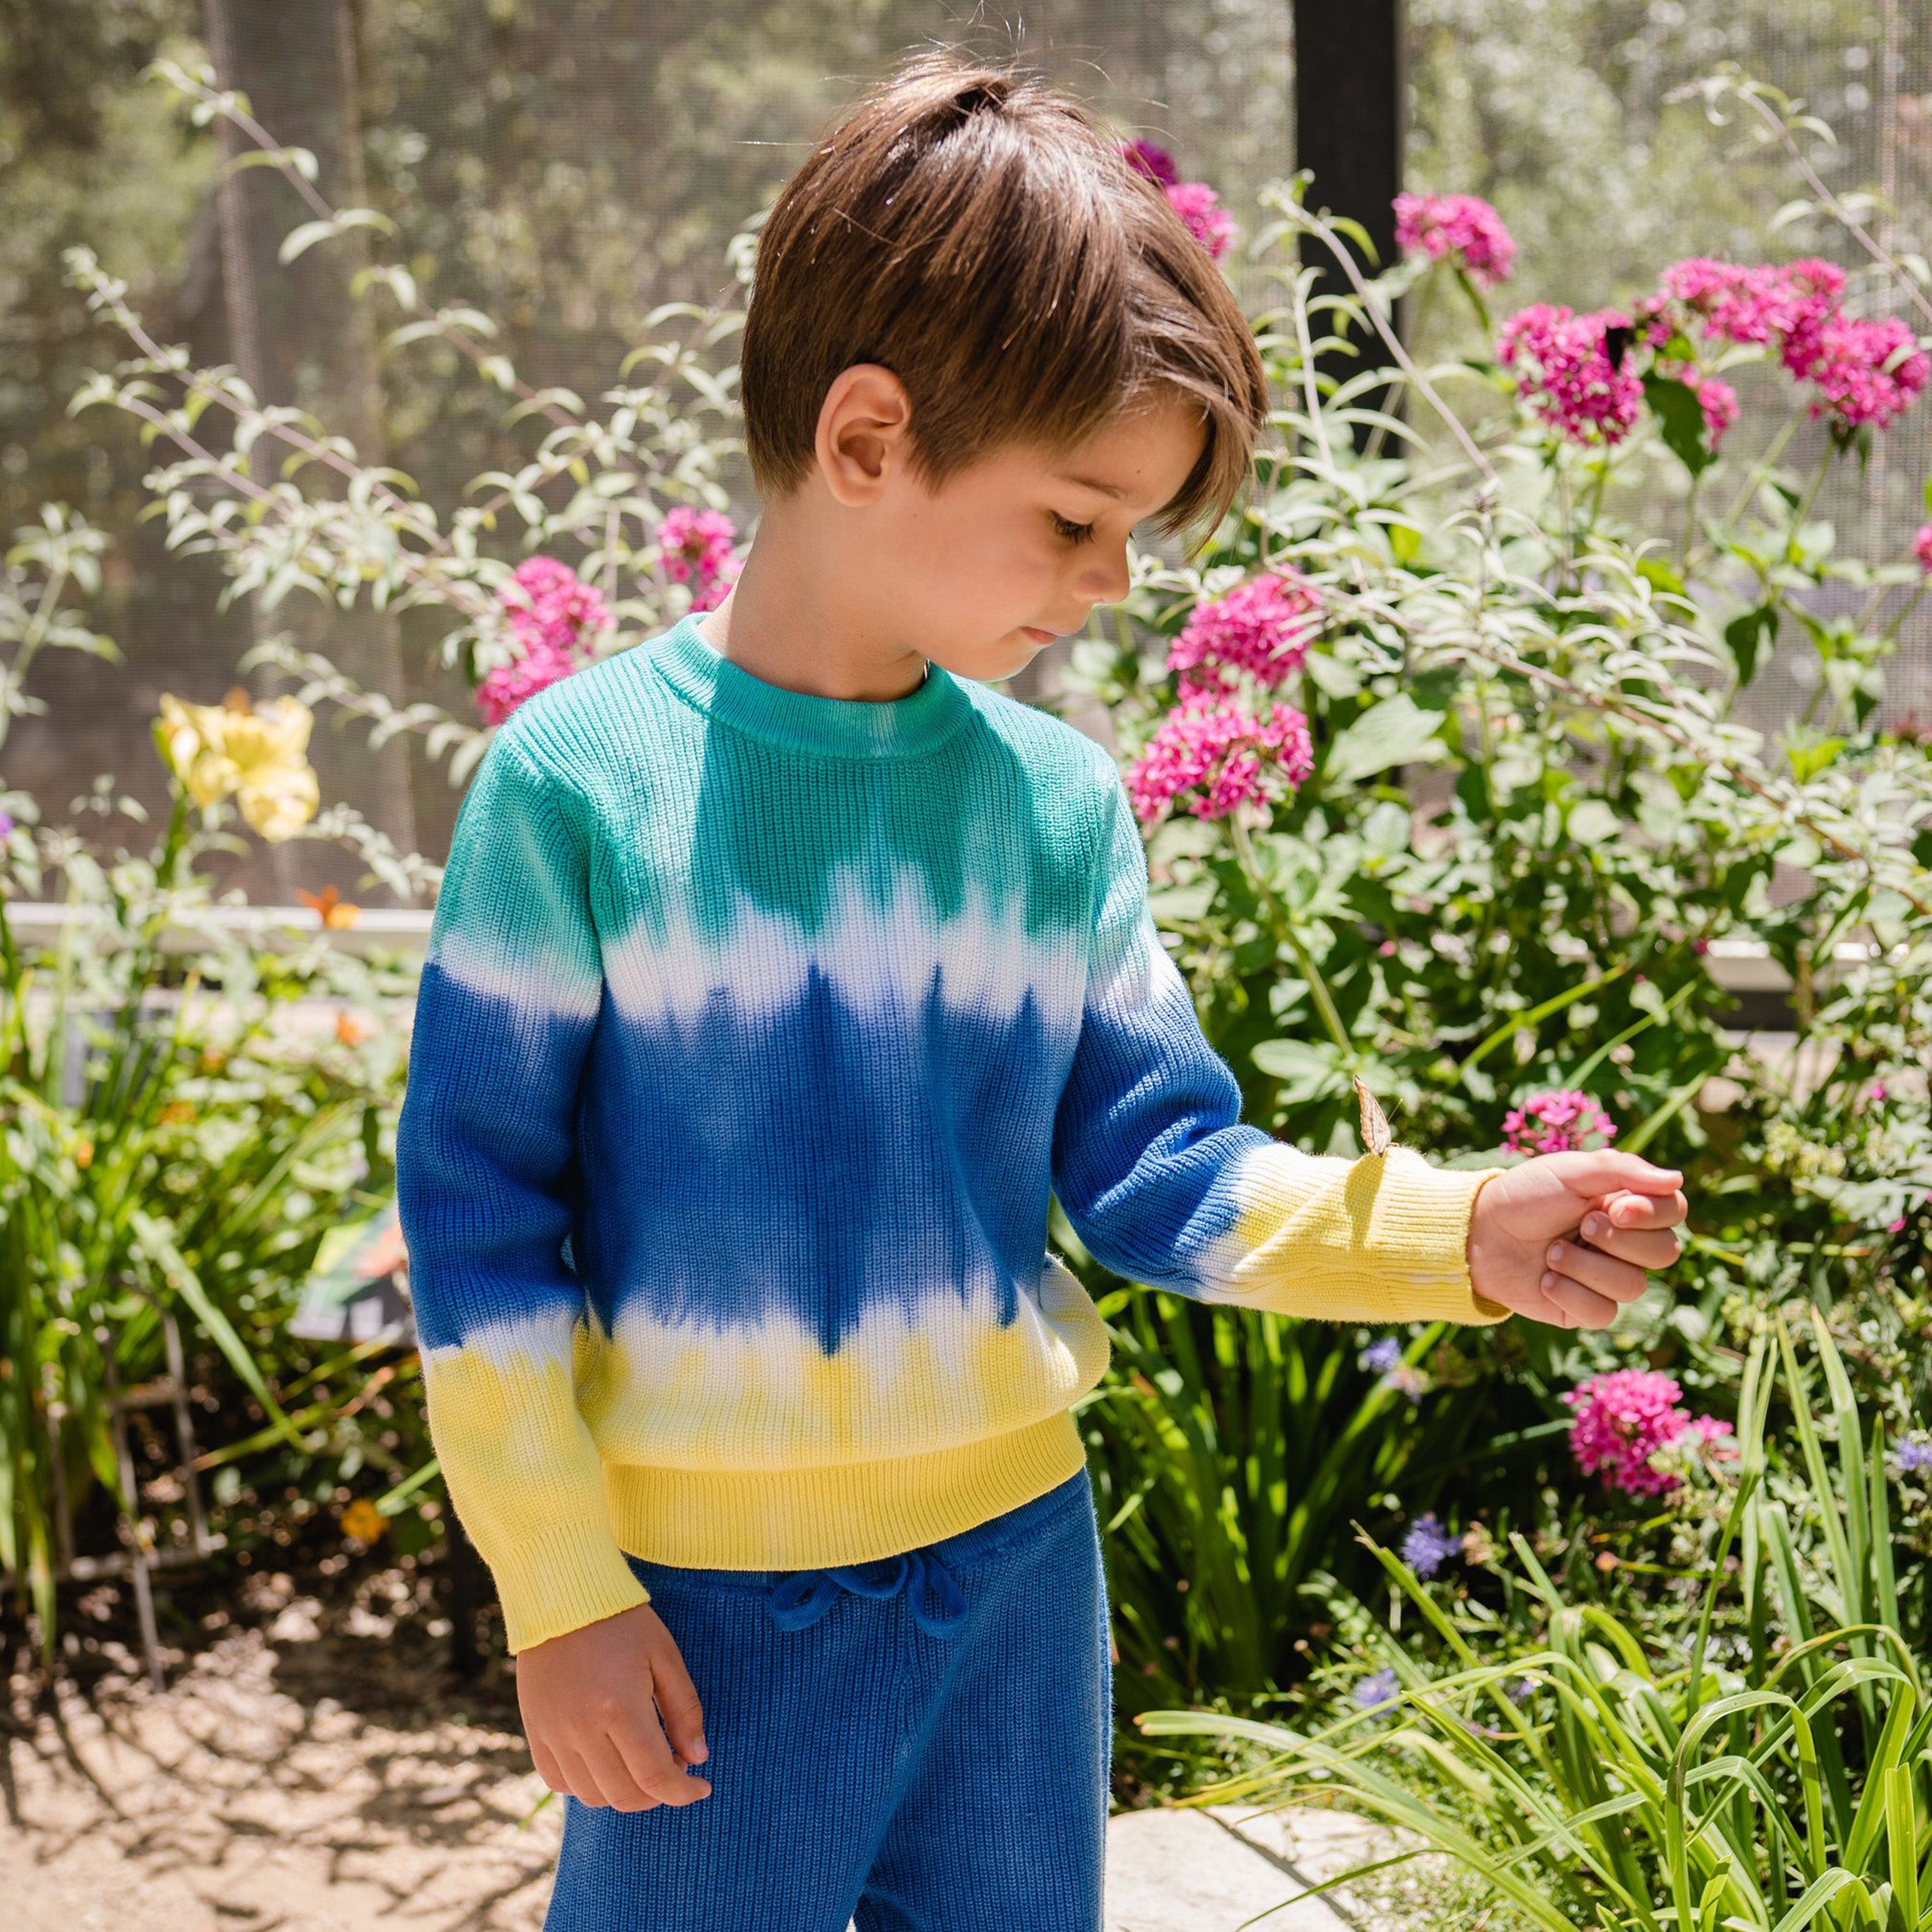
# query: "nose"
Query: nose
{"points": [[1105, 579]]}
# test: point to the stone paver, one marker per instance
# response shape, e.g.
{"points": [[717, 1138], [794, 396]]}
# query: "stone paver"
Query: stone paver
{"points": [[1196, 1872]]}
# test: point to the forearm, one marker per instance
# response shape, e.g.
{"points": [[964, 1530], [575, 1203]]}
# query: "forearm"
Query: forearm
{"points": [[1383, 1238]]}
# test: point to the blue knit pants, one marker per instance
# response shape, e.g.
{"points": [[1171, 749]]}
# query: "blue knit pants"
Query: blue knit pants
{"points": [[915, 1745]]}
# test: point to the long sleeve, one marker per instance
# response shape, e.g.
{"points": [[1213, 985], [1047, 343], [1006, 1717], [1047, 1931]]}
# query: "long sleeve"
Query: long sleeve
{"points": [[1166, 1186], [510, 990]]}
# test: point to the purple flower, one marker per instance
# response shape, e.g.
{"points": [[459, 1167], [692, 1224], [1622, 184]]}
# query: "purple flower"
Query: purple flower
{"points": [[6, 825], [1382, 1355], [1915, 1458], [1428, 1545], [1144, 158], [1379, 1689]]}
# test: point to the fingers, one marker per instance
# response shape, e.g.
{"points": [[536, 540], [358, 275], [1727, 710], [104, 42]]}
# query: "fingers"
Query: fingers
{"points": [[1606, 1171], [548, 1769], [647, 1760], [1617, 1282], [576, 1777], [616, 1775], [1648, 1247], [1643, 1210], [678, 1703], [1576, 1306]]}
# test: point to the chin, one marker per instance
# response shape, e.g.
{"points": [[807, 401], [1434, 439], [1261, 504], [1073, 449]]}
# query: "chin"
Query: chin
{"points": [[992, 663]]}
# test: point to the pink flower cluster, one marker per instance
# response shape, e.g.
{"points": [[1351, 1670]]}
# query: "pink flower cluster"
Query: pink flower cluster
{"points": [[1625, 1418], [1194, 201], [1212, 754], [549, 605], [1718, 401], [1866, 370], [1262, 626], [1555, 1122], [1921, 547], [697, 546], [551, 611], [1462, 226], [1567, 371], [1214, 751]]}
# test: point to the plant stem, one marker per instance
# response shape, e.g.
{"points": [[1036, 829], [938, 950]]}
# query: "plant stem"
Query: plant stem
{"points": [[1476, 302], [1762, 467], [1284, 929], [1689, 525], [1817, 483]]}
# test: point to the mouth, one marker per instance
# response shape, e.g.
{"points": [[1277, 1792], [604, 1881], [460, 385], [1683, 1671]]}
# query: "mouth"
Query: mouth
{"points": [[1039, 636]]}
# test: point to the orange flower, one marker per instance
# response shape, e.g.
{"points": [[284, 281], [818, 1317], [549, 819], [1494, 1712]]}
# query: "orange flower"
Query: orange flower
{"points": [[176, 1111], [349, 1030], [336, 910], [363, 1521]]}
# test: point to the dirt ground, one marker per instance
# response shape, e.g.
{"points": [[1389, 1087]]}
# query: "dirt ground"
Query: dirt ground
{"points": [[313, 1765], [309, 1768]]}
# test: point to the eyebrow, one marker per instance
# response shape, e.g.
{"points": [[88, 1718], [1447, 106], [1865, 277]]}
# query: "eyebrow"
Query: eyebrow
{"points": [[1113, 490]]}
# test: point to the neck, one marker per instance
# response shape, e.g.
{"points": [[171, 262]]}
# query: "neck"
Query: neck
{"points": [[797, 621]]}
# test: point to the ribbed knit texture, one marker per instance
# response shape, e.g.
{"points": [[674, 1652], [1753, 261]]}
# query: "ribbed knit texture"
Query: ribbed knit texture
{"points": [[865, 1767], [755, 1030]]}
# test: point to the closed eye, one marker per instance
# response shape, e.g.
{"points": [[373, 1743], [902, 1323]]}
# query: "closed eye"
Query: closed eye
{"points": [[1072, 532]]}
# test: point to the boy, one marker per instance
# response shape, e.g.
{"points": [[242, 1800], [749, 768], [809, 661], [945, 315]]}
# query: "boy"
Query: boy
{"points": [[781, 970]]}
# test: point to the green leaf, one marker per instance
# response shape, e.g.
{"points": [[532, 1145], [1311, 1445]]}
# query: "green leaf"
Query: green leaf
{"points": [[300, 240], [1307, 1069], [1807, 761], [1396, 731], [1680, 417], [1748, 635], [1661, 573], [1593, 822]]}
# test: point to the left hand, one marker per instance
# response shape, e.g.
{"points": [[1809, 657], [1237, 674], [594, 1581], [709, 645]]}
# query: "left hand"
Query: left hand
{"points": [[1524, 1250]]}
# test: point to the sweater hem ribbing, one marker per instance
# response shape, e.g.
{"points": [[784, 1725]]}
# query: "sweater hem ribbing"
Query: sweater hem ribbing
{"points": [[817, 1518]]}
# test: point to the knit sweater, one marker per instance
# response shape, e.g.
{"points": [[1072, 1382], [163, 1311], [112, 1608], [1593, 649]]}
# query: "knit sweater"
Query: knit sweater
{"points": [[755, 1031]]}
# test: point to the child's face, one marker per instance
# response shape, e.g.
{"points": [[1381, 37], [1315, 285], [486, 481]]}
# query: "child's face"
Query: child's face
{"points": [[1016, 548]]}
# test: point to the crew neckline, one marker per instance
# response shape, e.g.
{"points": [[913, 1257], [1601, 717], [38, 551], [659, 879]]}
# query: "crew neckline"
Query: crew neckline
{"points": [[837, 727]]}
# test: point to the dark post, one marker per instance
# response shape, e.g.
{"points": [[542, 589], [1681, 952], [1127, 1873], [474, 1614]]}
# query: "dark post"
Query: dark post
{"points": [[1350, 110]]}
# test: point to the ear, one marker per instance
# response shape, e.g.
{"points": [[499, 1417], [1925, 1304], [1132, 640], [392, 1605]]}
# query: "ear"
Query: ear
{"points": [[863, 426]]}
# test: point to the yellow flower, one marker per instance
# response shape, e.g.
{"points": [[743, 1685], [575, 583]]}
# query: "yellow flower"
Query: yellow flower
{"points": [[176, 1111], [83, 1151], [362, 1519], [256, 753]]}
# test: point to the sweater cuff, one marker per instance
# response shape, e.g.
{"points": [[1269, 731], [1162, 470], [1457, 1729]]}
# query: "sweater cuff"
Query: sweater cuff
{"points": [[1419, 1227], [559, 1580]]}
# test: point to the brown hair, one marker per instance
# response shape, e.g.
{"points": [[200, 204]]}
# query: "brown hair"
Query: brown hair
{"points": [[977, 233]]}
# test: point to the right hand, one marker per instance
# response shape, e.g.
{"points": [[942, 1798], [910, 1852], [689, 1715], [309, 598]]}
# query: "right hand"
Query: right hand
{"points": [[591, 1700]]}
